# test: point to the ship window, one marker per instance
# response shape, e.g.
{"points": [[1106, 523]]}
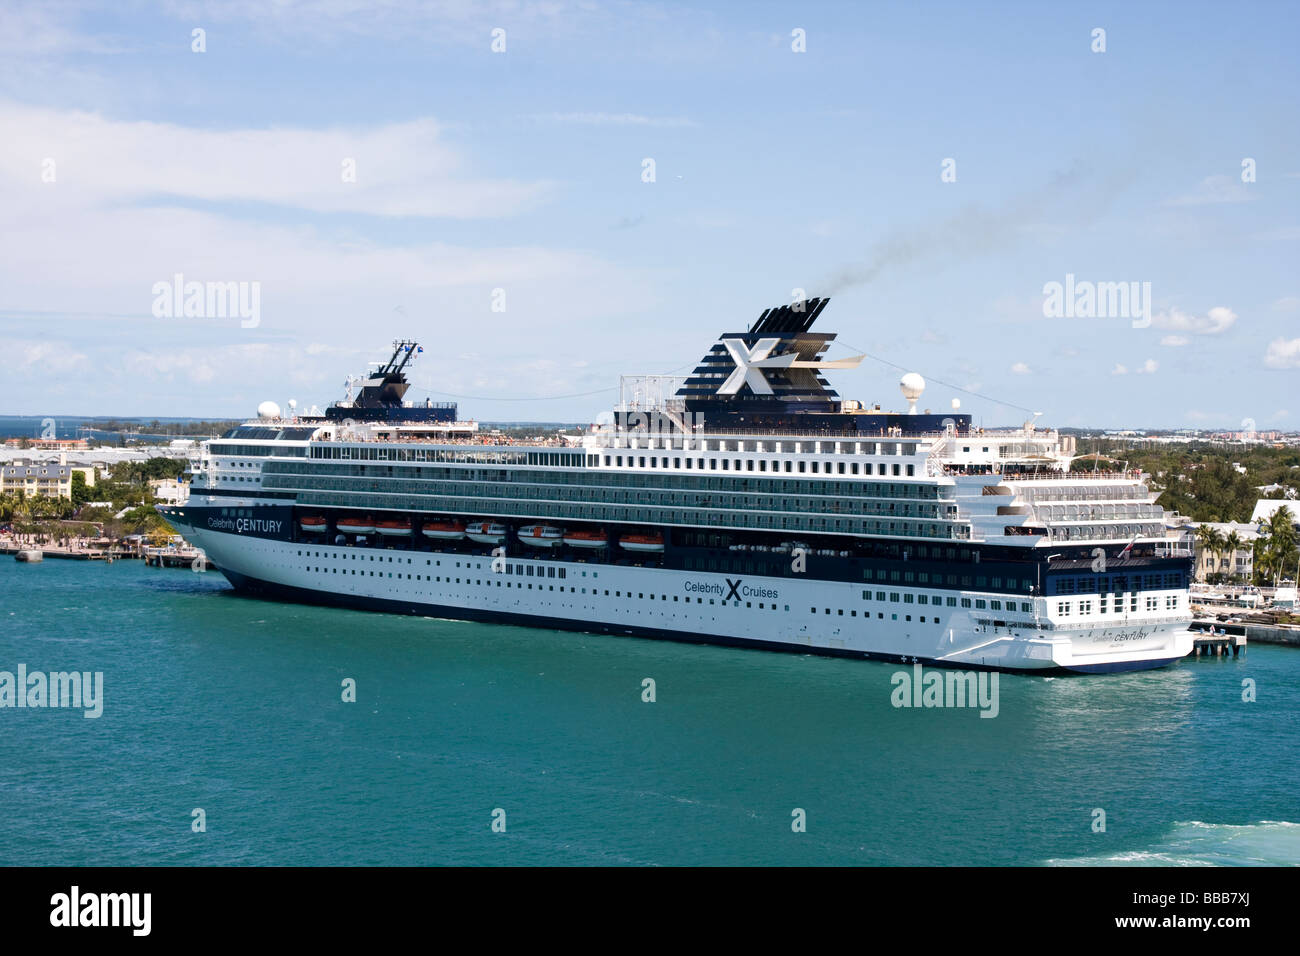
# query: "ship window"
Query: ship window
{"points": [[965, 602]]}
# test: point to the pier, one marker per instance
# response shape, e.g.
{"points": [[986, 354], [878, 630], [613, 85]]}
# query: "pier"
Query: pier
{"points": [[1217, 639], [177, 558], [111, 554]]}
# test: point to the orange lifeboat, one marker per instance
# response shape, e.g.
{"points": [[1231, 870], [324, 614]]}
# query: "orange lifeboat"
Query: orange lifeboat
{"points": [[642, 542], [443, 530], [355, 525], [394, 528], [586, 539]]}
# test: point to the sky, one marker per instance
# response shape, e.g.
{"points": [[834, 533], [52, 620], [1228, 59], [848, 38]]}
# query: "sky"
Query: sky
{"points": [[547, 195]]}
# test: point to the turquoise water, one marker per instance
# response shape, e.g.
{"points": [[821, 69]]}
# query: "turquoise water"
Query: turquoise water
{"points": [[234, 706]]}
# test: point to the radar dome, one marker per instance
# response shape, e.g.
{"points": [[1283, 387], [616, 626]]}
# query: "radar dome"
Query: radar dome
{"points": [[911, 385], [268, 410]]}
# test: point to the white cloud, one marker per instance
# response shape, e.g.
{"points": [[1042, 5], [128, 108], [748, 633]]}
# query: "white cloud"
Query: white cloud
{"points": [[1020, 368], [1175, 340], [1283, 353], [1215, 189], [1218, 319], [1288, 303], [1119, 370], [401, 169], [1148, 367]]}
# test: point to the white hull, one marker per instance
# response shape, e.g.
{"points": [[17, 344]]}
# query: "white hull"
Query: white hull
{"points": [[691, 605]]}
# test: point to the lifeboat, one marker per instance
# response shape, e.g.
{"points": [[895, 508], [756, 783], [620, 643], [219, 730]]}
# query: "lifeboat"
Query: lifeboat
{"points": [[586, 539], [541, 536], [642, 542], [486, 532], [396, 528], [354, 525], [313, 525], [443, 530]]}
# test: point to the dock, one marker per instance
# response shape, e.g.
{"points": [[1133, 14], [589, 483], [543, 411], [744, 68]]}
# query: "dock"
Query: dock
{"points": [[87, 555], [1217, 639], [177, 558]]}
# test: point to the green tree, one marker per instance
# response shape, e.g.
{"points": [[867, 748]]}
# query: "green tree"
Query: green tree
{"points": [[1232, 544], [80, 490]]}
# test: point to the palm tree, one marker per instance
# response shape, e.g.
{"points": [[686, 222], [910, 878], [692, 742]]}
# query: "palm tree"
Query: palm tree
{"points": [[1280, 530], [1204, 537], [1232, 544]]}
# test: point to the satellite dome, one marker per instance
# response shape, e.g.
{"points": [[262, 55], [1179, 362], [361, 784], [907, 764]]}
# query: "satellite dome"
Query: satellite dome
{"points": [[911, 385], [268, 410]]}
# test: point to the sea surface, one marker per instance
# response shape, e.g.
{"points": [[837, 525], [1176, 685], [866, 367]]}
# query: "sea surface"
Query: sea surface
{"points": [[234, 706]]}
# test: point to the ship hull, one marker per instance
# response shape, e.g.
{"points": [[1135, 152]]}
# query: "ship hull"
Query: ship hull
{"points": [[783, 614]]}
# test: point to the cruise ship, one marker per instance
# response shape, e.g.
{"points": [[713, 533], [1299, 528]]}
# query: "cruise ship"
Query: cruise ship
{"points": [[744, 504]]}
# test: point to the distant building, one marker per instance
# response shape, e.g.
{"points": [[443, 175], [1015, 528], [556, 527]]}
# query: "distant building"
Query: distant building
{"points": [[1239, 564], [170, 490], [43, 480], [49, 444], [1265, 507], [1274, 488]]}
